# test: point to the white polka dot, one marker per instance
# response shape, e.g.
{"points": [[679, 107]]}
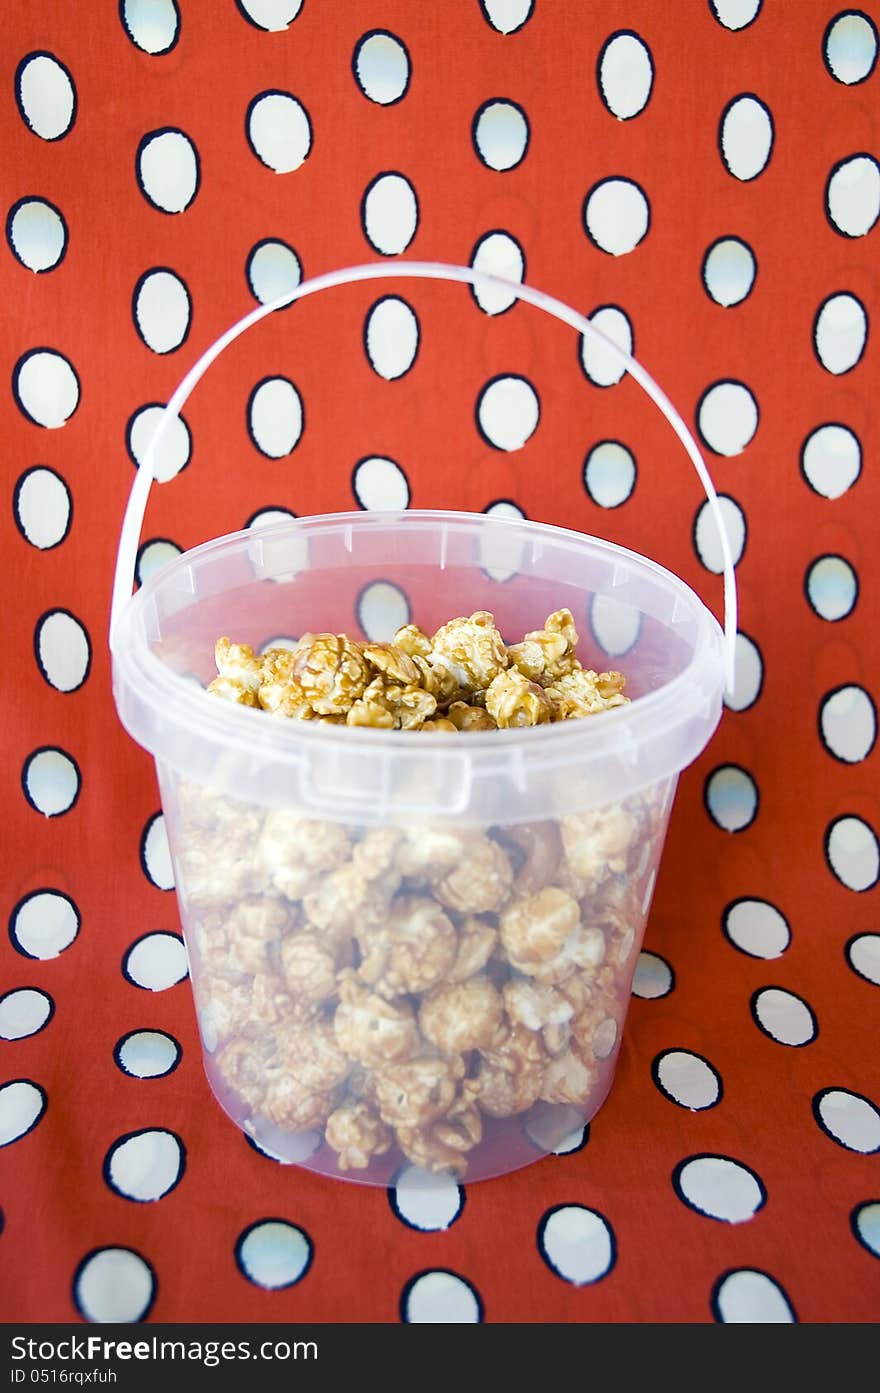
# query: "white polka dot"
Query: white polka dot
{"points": [[831, 460], [274, 1254], [147, 1054], [572, 1142], [285, 1148], [599, 363], [162, 310], [609, 474], [747, 1297], [114, 1286], [168, 170], [278, 558], [707, 540], [279, 131], [848, 722], [731, 798], [748, 675], [381, 67], [555, 1127], [840, 332], [507, 16], [863, 955], [441, 1298], [616, 215], [22, 1105], [43, 508], [757, 928], [46, 96], [275, 417], [508, 412], [687, 1079], [273, 269], [152, 25], [501, 549], [853, 853], [391, 337], [497, 254], [727, 417], [852, 1121], [501, 134], [653, 977], [37, 234], [832, 588], [736, 14], [156, 962], [850, 47], [51, 782], [175, 449], [786, 1018], [720, 1188], [626, 75], [63, 651], [729, 271], [23, 1013], [427, 1201], [379, 483], [45, 923], [852, 196], [46, 387], [153, 556], [605, 1037], [615, 624], [577, 1244], [145, 1165], [389, 213], [746, 137], [866, 1224], [155, 854], [382, 609], [272, 15]]}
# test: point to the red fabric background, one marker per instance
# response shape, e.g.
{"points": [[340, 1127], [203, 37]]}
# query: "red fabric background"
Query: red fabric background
{"points": [[55, 1202]]}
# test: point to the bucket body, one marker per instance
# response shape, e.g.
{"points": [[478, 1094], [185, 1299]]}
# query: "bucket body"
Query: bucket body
{"points": [[406, 948]]}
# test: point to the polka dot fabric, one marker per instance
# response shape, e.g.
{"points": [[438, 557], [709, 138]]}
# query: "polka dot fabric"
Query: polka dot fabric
{"points": [[706, 186]]}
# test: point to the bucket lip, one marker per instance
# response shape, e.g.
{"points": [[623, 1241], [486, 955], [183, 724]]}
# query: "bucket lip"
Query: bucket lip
{"points": [[134, 663]]}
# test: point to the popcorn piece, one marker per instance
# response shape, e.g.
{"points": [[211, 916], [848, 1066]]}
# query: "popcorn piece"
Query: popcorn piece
{"points": [[374, 855], [411, 950], [309, 966], [597, 844], [357, 1135], [567, 1079], [230, 689], [442, 683], [417, 1092], [540, 846], [471, 649], [331, 671], [510, 1074], [387, 707], [430, 850], [238, 663], [370, 1030], [280, 692], [549, 653], [462, 1016], [480, 882], [286, 1105], [442, 725], [535, 930], [242, 1065], [412, 641], [310, 1055], [442, 1146], [539, 1008], [393, 663], [584, 693], [476, 943], [465, 717], [292, 851], [347, 900], [513, 701], [253, 927]]}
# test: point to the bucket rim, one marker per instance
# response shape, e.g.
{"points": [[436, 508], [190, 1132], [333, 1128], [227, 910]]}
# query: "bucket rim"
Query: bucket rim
{"points": [[186, 704]]}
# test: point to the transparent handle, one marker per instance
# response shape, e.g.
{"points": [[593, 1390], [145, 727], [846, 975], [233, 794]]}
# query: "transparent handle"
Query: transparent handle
{"points": [[129, 540]]}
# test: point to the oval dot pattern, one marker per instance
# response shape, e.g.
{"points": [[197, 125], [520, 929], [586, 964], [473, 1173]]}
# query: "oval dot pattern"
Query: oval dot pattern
{"points": [[656, 184]]}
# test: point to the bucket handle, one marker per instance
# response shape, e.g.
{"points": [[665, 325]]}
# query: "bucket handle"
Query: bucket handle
{"points": [[129, 540]]}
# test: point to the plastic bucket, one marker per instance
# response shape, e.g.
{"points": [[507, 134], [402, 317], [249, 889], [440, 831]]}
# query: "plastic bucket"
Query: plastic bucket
{"points": [[413, 949]]}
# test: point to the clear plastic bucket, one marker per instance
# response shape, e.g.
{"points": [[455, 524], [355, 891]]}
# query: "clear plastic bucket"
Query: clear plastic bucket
{"points": [[412, 949]]}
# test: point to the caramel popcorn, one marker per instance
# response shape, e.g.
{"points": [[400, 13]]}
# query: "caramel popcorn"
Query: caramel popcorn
{"points": [[549, 653], [309, 966], [417, 1092], [597, 844], [510, 1073], [471, 649], [465, 717], [443, 1145], [292, 851], [481, 880], [513, 701], [461, 1016], [388, 707], [332, 672], [412, 641], [279, 691], [584, 693], [356, 1135], [392, 662], [410, 951], [477, 941], [370, 1029]]}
